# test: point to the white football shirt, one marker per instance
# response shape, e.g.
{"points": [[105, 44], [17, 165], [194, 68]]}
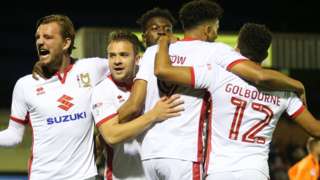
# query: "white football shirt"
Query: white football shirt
{"points": [[122, 160], [180, 137], [243, 119], [58, 111]]}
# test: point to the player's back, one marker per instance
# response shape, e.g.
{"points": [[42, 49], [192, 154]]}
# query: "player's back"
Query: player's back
{"points": [[243, 120], [180, 137]]}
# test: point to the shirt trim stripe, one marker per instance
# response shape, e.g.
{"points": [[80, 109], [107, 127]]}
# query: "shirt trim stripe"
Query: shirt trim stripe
{"points": [[298, 112], [196, 173], [192, 77], [18, 120], [106, 119], [230, 66]]}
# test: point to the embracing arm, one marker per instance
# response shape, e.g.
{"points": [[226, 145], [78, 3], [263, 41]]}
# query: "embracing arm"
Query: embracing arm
{"points": [[12, 135], [267, 78], [113, 132]]}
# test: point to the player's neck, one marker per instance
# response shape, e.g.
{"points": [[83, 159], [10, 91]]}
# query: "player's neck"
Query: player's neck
{"points": [[122, 84], [194, 34], [66, 61], [126, 84]]}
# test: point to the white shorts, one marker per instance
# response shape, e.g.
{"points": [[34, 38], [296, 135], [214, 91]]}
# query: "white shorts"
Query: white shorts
{"points": [[249, 174], [171, 169]]}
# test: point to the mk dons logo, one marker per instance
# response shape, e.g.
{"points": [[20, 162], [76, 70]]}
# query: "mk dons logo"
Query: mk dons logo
{"points": [[65, 102], [84, 80]]}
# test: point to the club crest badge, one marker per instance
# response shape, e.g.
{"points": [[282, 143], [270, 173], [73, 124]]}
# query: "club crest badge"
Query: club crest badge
{"points": [[84, 80]]}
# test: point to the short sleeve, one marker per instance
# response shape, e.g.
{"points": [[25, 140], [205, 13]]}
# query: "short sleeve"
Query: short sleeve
{"points": [[103, 107], [226, 56], [146, 65], [206, 76], [19, 108], [92, 70], [101, 69], [295, 106]]}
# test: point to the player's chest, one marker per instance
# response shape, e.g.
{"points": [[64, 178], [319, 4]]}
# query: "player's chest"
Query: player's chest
{"points": [[119, 97], [55, 95]]}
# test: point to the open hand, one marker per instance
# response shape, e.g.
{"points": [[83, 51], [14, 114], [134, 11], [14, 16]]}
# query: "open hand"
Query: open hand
{"points": [[168, 107], [40, 69]]}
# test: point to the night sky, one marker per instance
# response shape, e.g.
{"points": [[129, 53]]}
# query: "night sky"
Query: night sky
{"points": [[18, 24]]}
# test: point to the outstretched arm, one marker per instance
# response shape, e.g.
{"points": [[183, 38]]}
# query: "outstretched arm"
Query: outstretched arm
{"points": [[113, 132], [12, 135]]}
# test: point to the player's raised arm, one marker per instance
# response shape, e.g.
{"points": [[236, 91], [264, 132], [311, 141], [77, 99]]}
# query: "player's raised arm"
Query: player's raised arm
{"points": [[113, 132], [165, 71]]}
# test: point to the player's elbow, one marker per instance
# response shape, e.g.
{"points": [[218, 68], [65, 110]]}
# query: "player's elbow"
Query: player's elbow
{"points": [[112, 140], [111, 137], [162, 73], [117, 136], [159, 72]]}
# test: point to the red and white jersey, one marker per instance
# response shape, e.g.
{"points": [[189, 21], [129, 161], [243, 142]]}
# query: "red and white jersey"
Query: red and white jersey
{"points": [[122, 160], [58, 111], [243, 119], [180, 137]]}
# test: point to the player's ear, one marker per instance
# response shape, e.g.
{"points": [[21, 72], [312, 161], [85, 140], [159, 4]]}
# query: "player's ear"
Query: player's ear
{"points": [[144, 40], [205, 30], [137, 58], [66, 44], [208, 29]]}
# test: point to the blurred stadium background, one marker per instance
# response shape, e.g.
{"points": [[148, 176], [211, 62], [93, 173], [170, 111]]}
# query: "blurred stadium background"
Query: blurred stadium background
{"points": [[295, 51]]}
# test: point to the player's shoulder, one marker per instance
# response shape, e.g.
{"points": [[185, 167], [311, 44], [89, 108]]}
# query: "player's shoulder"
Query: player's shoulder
{"points": [[204, 45], [195, 43], [27, 79], [220, 45], [106, 82], [151, 49], [222, 74], [91, 65], [106, 85]]}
